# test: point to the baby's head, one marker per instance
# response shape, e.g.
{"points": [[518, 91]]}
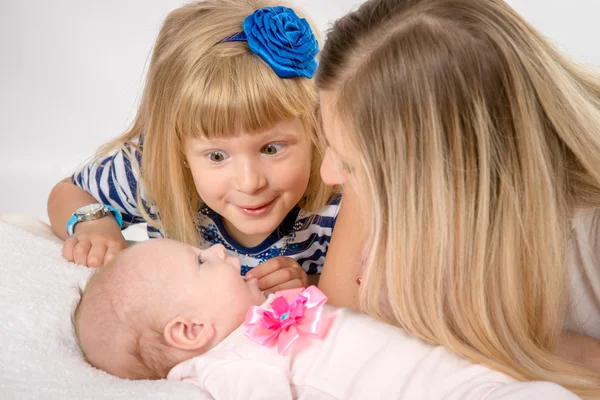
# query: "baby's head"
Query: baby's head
{"points": [[159, 303]]}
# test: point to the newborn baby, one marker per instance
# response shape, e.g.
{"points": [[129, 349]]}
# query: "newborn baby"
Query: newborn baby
{"points": [[164, 309]]}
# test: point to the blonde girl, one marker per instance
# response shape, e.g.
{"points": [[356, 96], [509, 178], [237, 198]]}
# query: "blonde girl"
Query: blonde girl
{"points": [[223, 148], [470, 143]]}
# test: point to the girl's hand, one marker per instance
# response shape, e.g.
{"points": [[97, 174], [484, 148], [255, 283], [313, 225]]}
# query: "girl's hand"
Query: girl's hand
{"points": [[94, 243], [279, 273]]}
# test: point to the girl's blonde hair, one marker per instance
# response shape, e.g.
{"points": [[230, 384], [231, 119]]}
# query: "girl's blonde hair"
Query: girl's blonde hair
{"points": [[199, 87], [474, 141]]}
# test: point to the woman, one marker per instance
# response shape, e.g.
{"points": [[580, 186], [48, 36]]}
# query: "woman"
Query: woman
{"points": [[470, 143]]}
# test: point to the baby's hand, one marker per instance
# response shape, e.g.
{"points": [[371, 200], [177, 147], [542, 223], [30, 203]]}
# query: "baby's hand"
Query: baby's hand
{"points": [[94, 243], [279, 273]]}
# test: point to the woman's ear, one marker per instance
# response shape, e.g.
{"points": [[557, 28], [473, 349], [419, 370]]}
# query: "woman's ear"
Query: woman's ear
{"points": [[186, 334]]}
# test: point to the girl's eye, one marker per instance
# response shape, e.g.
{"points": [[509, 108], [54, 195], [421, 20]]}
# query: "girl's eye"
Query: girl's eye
{"points": [[217, 156], [271, 149]]}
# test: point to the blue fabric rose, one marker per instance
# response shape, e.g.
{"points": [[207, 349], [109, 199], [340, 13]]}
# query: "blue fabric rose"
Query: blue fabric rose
{"points": [[283, 40]]}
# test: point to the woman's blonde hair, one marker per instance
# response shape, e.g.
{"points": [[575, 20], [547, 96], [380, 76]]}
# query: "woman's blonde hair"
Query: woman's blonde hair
{"points": [[473, 142], [199, 87]]}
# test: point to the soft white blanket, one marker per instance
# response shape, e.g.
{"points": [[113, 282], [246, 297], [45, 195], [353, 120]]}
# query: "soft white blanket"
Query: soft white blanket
{"points": [[39, 358]]}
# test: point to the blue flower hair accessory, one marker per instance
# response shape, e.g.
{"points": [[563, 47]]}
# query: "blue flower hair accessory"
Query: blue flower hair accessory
{"points": [[282, 39]]}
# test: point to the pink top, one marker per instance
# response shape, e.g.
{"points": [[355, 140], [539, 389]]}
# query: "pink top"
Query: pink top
{"points": [[341, 354]]}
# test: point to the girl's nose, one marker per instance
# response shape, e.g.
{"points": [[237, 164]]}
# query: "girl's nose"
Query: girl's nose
{"points": [[250, 177]]}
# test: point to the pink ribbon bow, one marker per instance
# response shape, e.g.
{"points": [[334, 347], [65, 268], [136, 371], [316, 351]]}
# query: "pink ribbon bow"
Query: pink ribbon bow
{"points": [[295, 312]]}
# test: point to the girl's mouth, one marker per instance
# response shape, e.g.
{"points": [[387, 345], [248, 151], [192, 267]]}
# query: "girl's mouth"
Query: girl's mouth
{"points": [[257, 211]]}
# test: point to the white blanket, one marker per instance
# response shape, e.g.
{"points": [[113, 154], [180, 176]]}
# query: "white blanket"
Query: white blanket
{"points": [[39, 358]]}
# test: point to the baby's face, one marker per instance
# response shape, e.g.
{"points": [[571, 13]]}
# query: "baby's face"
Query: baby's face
{"points": [[208, 279], [147, 286]]}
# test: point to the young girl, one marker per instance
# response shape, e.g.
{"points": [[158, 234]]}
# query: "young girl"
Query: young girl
{"points": [[223, 148], [470, 143]]}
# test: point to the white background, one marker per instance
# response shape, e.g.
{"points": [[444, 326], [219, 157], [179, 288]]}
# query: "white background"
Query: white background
{"points": [[71, 73]]}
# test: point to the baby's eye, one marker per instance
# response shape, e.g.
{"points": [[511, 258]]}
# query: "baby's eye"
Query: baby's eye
{"points": [[217, 156], [272, 149]]}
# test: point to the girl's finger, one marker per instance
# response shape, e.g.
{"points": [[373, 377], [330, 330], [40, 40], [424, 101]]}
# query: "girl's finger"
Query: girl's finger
{"points": [[68, 248], [96, 255], [111, 252], [81, 251], [270, 266], [281, 276], [293, 284]]}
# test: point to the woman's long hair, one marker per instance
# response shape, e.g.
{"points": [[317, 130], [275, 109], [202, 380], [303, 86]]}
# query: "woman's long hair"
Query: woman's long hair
{"points": [[473, 142]]}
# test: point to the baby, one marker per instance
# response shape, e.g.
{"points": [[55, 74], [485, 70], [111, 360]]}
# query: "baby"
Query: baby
{"points": [[164, 309]]}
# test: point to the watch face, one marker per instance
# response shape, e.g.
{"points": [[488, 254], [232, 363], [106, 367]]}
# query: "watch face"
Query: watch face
{"points": [[90, 209]]}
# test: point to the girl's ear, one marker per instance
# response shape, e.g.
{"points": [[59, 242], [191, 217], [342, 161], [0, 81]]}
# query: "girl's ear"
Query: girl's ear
{"points": [[187, 334]]}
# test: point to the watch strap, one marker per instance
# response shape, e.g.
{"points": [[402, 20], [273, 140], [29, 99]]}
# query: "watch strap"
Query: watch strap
{"points": [[116, 213], [75, 219], [71, 224]]}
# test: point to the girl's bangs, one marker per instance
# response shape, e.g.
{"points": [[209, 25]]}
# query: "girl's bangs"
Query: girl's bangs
{"points": [[232, 94]]}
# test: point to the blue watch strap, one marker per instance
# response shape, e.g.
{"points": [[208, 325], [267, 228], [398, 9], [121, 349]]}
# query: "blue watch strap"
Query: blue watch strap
{"points": [[71, 224], [74, 219], [116, 213]]}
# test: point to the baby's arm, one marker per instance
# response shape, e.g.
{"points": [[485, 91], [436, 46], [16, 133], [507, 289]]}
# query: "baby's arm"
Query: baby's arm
{"points": [[247, 380], [232, 378]]}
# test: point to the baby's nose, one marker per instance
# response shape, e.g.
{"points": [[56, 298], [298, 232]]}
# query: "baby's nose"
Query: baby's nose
{"points": [[219, 251]]}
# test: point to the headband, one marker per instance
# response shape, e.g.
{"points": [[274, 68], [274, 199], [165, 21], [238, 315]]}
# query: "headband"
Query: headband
{"points": [[282, 39]]}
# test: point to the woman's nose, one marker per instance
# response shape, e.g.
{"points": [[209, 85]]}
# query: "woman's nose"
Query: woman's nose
{"points": [[330, 171]]}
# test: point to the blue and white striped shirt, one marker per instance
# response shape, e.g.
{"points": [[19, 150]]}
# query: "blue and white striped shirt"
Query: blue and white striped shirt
{"points": [[302, 236]]}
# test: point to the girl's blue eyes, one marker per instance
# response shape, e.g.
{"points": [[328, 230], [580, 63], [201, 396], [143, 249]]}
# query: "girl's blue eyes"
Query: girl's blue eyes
{"points": [[271, 149]]}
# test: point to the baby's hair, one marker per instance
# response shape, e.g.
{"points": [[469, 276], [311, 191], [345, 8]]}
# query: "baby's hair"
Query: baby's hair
{"points": [[199, 87], [146, 347]]}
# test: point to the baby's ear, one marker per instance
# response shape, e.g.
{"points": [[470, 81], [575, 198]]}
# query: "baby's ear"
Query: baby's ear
{"points": [[187, 334]]}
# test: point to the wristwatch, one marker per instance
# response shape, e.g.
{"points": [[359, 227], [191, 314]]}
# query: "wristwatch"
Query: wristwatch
{"points": [[92, 212]]}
